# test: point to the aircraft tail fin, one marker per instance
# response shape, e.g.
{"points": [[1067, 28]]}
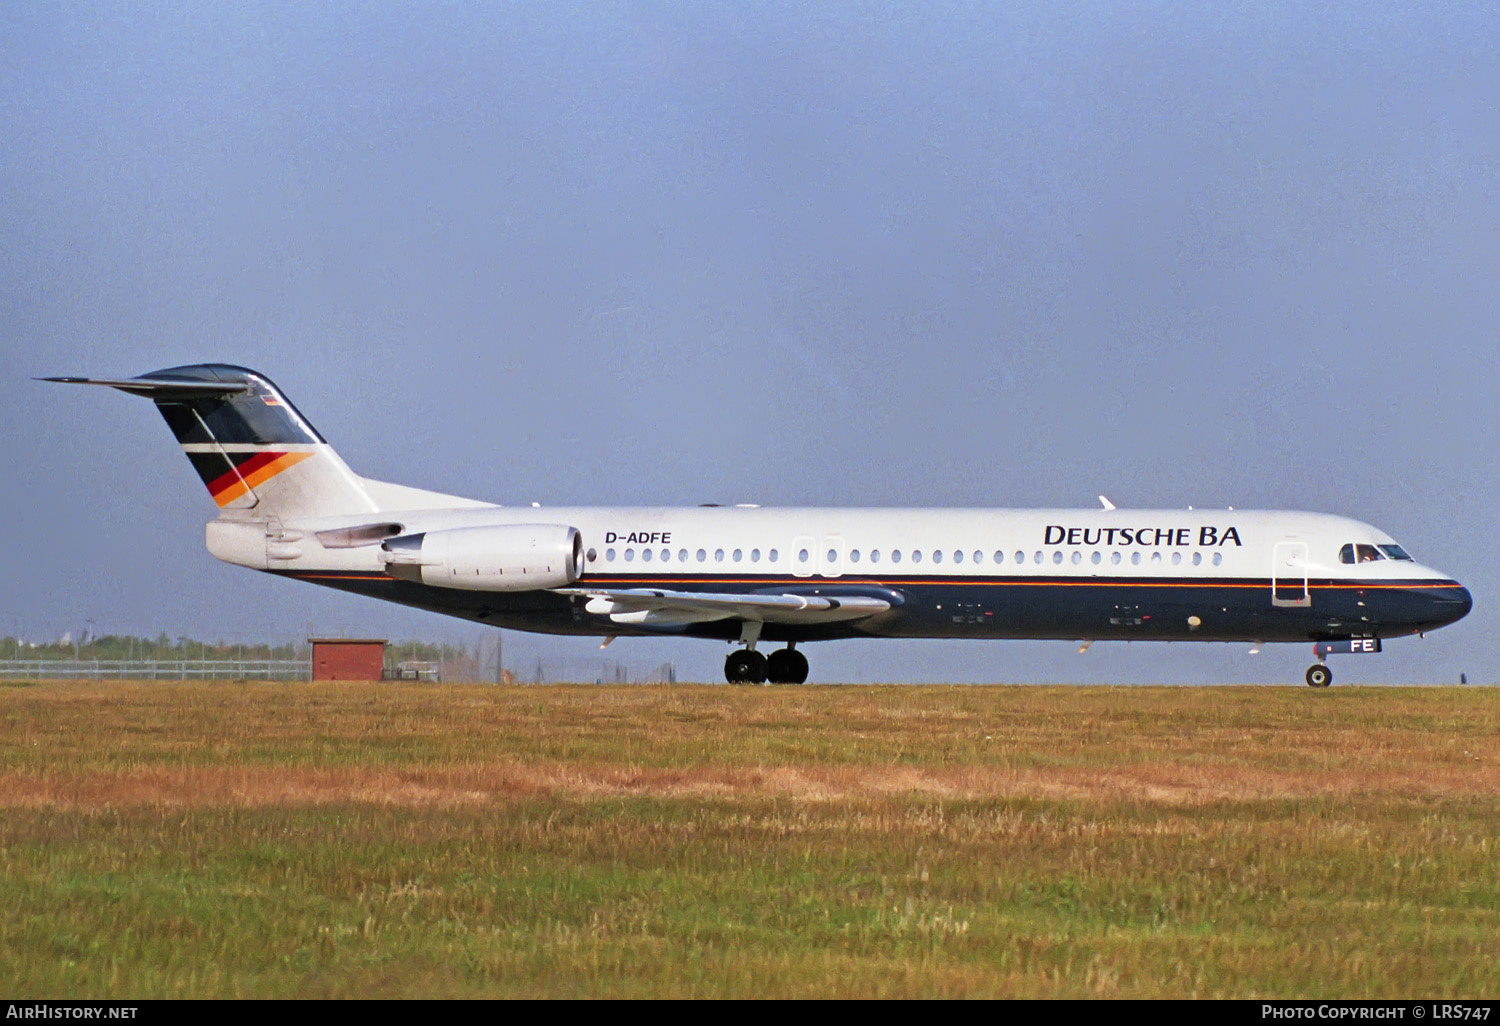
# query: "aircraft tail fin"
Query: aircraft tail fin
{"points": [[249, 444]]}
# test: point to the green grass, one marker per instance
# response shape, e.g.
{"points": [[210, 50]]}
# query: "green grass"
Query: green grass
{"points": [[392, 840]]}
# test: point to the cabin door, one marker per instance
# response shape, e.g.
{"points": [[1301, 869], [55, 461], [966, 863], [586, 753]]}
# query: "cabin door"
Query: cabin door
{"points": [[1289, 575]]}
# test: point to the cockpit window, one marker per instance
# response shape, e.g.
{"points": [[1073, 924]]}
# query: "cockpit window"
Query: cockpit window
{"points": [[1363, 554], [1396, 552]]}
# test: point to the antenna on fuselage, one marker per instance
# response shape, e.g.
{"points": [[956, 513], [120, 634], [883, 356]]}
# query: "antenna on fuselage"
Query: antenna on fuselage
{"points": [[1104, 501]]}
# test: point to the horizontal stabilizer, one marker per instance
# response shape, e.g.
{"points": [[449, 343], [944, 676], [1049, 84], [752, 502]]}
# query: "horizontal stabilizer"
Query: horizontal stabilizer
{"points": [[162, 388]]}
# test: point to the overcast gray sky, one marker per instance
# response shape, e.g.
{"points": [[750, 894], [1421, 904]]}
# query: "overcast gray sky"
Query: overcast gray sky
{"points": [[978, 254]]}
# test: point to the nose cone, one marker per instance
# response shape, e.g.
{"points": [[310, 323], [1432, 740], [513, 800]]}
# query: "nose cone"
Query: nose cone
{"points": [[1449, 605]]}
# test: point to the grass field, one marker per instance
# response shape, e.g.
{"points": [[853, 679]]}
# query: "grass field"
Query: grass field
{"points": [[162, 840]]}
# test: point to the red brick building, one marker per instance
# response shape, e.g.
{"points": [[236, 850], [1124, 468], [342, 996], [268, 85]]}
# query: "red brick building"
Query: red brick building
{"points": [[348, 658]]}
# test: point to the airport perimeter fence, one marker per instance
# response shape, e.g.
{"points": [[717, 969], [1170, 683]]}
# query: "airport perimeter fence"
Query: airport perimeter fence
{"points": [[156, 669], [566, 671], [590, 671]]}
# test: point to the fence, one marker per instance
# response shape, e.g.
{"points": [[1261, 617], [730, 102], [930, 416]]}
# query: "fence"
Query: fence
{"points": [[156, 669], [590, 671], [555, 671]]}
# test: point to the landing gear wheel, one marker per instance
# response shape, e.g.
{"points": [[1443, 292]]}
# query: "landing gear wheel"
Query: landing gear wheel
{"points": [[745, 667], [1319, 676], [787, 666]]}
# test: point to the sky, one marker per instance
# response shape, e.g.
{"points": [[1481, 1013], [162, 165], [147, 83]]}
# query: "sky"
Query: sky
{"points": [[985, 254]]}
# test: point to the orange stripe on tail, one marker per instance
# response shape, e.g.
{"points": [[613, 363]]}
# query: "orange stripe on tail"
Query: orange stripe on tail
{"points": [[254, 471]]}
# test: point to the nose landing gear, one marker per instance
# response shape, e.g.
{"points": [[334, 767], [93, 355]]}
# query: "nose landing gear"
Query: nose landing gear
{"points": [[1320, 676]]}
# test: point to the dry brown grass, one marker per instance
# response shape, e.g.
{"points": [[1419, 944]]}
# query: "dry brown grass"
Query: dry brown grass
{"points": [[88, 746], [384, 840], [184, 787]]}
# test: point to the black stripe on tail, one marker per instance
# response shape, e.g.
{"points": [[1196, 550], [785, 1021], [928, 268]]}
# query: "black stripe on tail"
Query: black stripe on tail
{"points": [[257, 415]]}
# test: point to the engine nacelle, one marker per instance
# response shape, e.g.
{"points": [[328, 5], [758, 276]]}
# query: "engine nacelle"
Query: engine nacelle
{"points": [[519, 557]]}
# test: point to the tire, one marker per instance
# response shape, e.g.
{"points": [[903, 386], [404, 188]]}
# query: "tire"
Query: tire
{"points": [[745, 667], [786, 666], [1319, 676]]}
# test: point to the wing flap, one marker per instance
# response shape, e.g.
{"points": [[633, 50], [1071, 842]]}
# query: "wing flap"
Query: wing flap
{"points": [[662, 607]]}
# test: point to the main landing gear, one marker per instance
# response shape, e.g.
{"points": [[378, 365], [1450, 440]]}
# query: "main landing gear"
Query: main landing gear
{"points": [[747, 666], [1319, 676]]}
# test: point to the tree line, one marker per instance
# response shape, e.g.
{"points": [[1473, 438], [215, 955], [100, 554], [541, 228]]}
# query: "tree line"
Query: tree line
{"points": [[163, 646]]}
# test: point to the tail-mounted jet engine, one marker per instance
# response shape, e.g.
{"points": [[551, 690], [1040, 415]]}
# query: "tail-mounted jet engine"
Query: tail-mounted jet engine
{"points": [[519, 557]]}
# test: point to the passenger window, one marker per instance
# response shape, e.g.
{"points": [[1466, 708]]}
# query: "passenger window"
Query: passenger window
{"points": [[1156, 557], [1038, 557], [593, 555], [1135, 559], [854, 555], [1077, 557], [609, 554], [1176, 558], [629, 555], [1218, 558], [832, 555], [895, 555], [718, 555], [937, 555], [958, 557], [1346, 554], [738, 554], [645, 555], [1057, 557], [1114, 558], [755, 555], [682, 555], [916, 555], [773, 555], [1097, 558], [702, 556], [979, 556], [874, 555], [666, 555], [1021, 556], [1197, 558], [802, 556]]}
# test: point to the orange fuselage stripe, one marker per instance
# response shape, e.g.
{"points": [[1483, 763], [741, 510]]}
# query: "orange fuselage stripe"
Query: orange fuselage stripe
{"points": [[1034, 582]]}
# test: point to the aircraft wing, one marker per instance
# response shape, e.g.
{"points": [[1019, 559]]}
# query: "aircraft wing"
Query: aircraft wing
{"points": [[658, 607]]}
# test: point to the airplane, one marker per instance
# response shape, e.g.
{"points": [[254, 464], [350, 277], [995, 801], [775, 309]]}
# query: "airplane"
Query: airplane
{"points": [[290, 506]]}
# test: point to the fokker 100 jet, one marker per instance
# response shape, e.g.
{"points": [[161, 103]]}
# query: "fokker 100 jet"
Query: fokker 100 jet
{"points": [[754, 577]]}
